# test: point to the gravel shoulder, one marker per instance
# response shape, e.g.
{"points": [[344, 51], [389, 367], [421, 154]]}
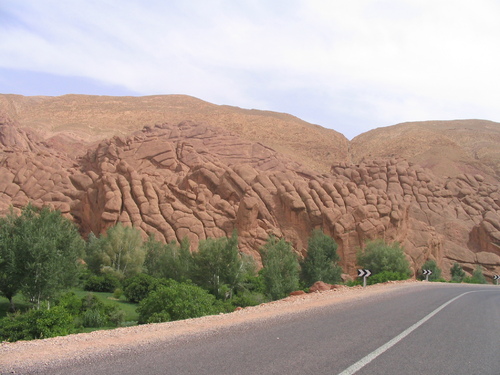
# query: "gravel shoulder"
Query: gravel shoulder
{"points": [[20, 356]]}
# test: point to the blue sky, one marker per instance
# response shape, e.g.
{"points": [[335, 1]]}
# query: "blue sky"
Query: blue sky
{"points": [[346, 65]]}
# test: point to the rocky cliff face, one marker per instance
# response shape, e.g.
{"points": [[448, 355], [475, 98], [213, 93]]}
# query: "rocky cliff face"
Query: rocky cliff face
{"points": [[189, 179]]}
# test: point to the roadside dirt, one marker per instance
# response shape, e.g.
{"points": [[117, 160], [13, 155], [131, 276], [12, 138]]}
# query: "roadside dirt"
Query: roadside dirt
{"points": [[24, 356]]}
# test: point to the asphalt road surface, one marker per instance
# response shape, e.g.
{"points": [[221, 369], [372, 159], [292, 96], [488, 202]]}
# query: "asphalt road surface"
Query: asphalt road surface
{"points": [[444, 329]]}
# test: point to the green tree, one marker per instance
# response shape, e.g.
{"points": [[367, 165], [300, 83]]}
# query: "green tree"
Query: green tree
{"points": [[219, 267], [431, 264], [121, 251], [10, 275], [281, 268], [379, 257], [93, 253], [170, 261], [176, 301], [43, 251], [153, 261], [320, 264], [457, 273]]}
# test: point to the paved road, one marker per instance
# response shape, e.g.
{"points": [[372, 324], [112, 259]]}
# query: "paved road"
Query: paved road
{"points": [[422, 330]]}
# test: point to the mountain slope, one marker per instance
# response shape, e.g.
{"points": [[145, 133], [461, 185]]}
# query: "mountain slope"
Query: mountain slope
{"points": [[448, 148], [195, 180], [92, 118]]}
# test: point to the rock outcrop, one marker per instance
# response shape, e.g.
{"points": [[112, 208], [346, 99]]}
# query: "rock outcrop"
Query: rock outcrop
{"points": [[197, 181]]}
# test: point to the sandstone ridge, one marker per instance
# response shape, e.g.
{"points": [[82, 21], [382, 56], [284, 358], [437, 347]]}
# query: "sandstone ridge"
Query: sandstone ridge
{"points": [[194, 180]]}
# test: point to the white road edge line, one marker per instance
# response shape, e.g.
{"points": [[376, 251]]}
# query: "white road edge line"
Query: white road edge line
{"points": [[370, 357]]}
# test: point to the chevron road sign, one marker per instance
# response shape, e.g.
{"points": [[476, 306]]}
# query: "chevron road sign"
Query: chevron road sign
{"points": [[364, 274], [427, 273], [496, 277]]}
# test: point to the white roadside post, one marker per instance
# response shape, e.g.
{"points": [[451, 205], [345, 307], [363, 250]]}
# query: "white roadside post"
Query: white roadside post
{"points": [[364, 274]]}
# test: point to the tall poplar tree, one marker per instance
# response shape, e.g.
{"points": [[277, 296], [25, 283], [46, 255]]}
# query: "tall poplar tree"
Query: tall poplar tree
{"points": [[281, 268], [40, 249]]}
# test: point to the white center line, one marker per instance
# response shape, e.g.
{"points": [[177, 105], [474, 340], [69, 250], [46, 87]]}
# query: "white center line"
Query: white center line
{"points": [[370, 357]]}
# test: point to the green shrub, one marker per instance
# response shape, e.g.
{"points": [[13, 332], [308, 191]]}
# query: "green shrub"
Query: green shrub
{"points": [[94, 318], [103, 283], [457, 273], [176, 301], [138, 287], [248, 298], [36, 324], [379, 257], [477, 277], [118, 293], [384, 276], [71, 303], [116, 316], [95, 313]]}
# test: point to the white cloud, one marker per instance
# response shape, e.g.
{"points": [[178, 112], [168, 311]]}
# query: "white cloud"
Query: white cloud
{"points": [[376, 62]]}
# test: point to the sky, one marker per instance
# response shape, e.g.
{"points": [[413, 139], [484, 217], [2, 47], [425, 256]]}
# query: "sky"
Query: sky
{"points": [[347, 65]]}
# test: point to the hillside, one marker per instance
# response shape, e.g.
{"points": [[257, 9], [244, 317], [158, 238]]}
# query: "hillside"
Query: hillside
{"points": [[448, 148], [90, 118], [176, 166]]}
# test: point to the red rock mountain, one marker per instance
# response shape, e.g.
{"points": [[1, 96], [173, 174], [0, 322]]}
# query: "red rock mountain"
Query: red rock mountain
{"points": [[176, 166]]}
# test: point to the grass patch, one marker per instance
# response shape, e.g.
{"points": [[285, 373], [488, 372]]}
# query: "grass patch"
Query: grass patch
{"points": [[128, 307]]}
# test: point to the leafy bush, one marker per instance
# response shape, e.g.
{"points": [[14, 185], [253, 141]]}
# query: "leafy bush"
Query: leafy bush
{"points": [[384, 276], [104, 283], [117, 293], [138, 287], [380, 257], [176, 301], [477, 277], [457, 273], [248, 298], [36, 324], [95, 313], [320, 264], [431, 264], [71, 303], [93, 317]]}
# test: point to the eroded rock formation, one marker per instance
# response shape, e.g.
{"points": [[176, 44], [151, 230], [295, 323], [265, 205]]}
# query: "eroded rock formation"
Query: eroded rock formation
{"points": [[196, 181]]}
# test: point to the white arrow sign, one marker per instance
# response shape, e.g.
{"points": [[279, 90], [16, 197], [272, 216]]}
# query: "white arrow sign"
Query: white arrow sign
{"points": [[427, 273], [364, 273]]}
